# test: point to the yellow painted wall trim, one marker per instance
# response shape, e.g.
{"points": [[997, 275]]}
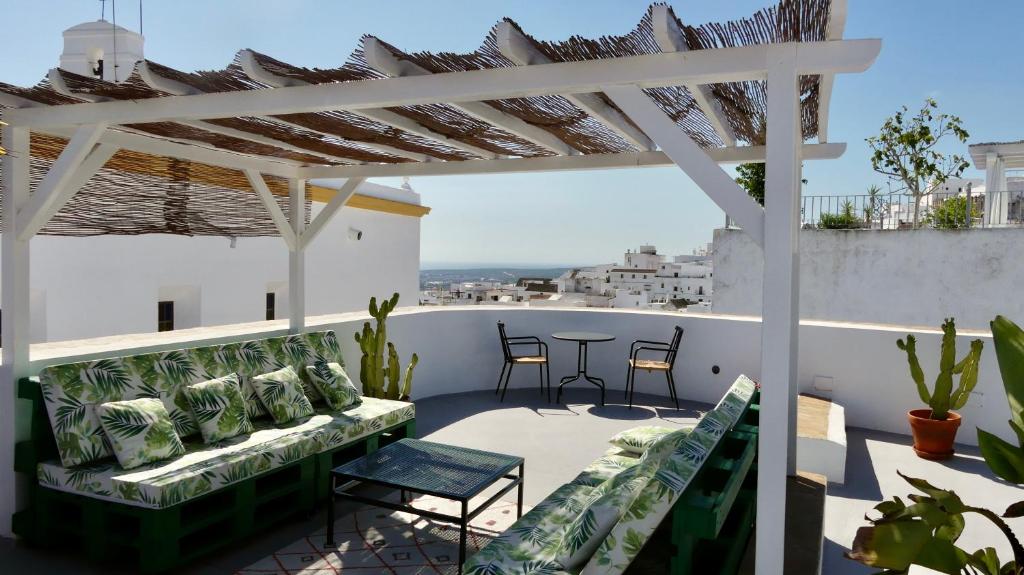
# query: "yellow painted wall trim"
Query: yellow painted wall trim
{"points": [[324, 195]]}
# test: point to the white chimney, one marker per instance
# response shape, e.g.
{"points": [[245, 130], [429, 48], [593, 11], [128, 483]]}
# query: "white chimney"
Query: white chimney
{"points": [[101, 50]]}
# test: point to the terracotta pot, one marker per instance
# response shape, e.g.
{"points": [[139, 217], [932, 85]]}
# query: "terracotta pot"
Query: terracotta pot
{"points": [[933, 439]]}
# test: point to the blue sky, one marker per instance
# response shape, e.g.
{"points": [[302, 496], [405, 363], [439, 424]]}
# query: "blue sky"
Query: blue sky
{"points": [[962, 53]]}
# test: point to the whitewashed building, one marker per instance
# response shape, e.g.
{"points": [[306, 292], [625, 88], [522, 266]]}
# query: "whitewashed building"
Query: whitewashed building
{"points": [[645, 278]]}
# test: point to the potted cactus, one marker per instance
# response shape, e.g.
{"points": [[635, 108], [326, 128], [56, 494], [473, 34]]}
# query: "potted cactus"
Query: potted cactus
{"points": [[379, 370], [934, 428]]}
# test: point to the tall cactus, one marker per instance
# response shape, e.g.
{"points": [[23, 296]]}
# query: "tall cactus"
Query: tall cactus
{"points": [[944, 398], [376, 368]]}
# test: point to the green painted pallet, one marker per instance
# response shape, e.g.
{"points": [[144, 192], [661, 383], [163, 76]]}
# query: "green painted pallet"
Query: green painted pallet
{"points": [[159, 540], [713, 519]]}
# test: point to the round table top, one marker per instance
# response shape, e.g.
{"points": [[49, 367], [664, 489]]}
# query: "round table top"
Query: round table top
{"points": [[582, 336]]}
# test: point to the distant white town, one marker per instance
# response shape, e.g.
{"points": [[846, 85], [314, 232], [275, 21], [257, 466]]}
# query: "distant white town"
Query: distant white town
{"points": [[644, 280]]}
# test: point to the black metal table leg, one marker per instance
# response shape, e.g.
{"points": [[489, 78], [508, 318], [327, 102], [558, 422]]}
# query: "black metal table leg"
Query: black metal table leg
{"points": [[581, 373], [463, 528], [519, 501], [330, 515]]}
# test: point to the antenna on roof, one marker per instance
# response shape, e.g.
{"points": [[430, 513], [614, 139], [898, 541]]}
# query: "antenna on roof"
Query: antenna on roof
{"points": [[103, 9]]}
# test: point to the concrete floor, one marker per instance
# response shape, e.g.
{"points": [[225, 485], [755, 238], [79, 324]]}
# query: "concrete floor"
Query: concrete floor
{"points": [[558, 441]]}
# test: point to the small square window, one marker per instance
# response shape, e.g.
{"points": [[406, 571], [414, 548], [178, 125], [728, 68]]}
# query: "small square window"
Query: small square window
{"points": [[165, 316], [271, 306]]}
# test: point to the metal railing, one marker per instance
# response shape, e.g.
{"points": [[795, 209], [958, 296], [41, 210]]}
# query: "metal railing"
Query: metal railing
{"points": [[896, 211]]}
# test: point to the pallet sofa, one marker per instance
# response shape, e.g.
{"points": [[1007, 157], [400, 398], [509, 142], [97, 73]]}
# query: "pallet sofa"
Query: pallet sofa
{"points": [[169, 512], [698, 506]]}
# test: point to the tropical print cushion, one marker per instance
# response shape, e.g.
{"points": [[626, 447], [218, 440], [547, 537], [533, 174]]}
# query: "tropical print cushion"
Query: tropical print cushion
{"points": [[673, 475], [666, 444], [638, 439], [530, 545], [282, 395], [605, 467], [583, 536], [219, 408], [205, 468], [72, 391], [330, 379], [140, 431], [361, 419]]}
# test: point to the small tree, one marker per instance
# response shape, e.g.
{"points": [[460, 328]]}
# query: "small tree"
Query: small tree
{"points": [[874, 206], [905, 151], [751, 178]]}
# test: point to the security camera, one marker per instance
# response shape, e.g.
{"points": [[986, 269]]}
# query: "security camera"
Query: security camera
{"points": [[354, 234]]}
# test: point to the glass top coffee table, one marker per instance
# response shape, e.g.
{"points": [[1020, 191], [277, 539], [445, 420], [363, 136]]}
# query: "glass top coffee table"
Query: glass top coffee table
{"points": [[416, 466]]}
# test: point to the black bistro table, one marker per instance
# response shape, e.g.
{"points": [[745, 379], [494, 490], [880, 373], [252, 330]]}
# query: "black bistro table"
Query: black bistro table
{"points": [[583, 338], [416, 466]]}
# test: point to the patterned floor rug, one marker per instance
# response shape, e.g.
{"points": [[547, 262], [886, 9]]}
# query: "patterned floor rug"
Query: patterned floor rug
{"points": [[375, 540]]}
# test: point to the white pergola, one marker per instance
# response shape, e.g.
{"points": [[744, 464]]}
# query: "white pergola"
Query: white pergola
{"points": [[96, 130], [996, 158]]}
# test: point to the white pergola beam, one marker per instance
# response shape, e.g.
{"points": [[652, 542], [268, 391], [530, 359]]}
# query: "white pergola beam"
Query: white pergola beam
{"points": [[517, 47], [284, 227], [171, 86], [833, 31], [647, 71], [61, 173], [339, 200], [690, 158], [780, 314], [384, 61], [57, 82], [740, 155], [670, 38], [53, 194], [254, 70], [297, 257], [15, 302]]}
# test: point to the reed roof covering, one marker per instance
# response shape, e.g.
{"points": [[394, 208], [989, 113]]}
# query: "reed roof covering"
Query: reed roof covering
{"points": [[112, 202]]}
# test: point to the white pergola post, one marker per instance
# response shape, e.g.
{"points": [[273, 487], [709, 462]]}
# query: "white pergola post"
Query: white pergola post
{"points": [[14, 303], [297, 257], [996, 199], [780, 308]]}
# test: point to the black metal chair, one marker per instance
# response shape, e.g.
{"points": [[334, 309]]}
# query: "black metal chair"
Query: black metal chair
{"points": [[512, 359], [670, 349]]}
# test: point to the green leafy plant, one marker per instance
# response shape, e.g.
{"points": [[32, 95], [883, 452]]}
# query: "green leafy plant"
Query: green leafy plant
{"points": [[876, 206], [951, 214], [925, 532], [751, 178], [846, 218], [905, 151], [943, 397], [379, 363]]}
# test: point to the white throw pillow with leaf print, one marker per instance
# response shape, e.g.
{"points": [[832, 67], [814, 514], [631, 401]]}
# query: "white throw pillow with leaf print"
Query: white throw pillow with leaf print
{"points": [[140, 431], [219, 407], [637, 439], [586, 533], [282, 395], [330, 379]]}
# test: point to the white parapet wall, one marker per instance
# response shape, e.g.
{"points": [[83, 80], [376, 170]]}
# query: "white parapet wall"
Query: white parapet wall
{"points": [[459, 351], [900, 277], [100, 286]]}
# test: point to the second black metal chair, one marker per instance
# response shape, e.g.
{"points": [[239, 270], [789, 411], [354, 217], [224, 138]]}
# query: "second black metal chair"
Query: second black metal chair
{"points": [[670, 349], [512, 359]]}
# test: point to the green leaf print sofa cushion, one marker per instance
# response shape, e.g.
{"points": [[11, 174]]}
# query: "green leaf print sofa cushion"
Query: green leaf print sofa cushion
{"points": [[537, 542], [72, 391], [206, 467], [219, 408], [281, 393], [140, 431]]}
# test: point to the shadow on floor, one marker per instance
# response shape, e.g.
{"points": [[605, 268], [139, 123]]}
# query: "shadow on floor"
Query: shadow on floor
{"points": [[440, 411]]}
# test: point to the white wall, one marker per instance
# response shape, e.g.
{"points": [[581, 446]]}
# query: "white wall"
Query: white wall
{"points": [[902, 277], [106, 285], [870, 377]]}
